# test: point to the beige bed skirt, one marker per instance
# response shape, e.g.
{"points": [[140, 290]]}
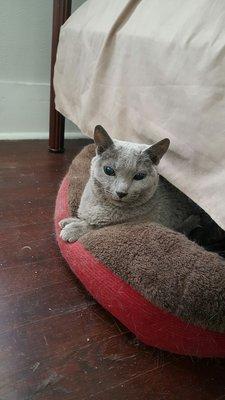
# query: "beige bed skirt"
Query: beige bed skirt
{"points": [[151, 69]]}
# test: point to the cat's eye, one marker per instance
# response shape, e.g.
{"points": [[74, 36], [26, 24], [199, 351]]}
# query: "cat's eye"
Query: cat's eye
{"points": [[139, 176], [109, 170]]}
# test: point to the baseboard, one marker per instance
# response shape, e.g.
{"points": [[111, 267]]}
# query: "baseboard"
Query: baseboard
{"points": [[24, 112], [37, 135]]}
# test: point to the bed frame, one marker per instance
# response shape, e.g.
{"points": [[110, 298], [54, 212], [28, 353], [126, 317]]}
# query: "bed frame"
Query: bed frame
{"points": [[61, 11]]}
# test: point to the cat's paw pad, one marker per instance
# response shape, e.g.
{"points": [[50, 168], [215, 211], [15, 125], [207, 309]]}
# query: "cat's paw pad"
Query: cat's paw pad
{"points": [[66, 221]]}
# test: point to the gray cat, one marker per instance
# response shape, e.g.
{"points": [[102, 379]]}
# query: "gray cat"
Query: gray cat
{"points": [[124, 186]]}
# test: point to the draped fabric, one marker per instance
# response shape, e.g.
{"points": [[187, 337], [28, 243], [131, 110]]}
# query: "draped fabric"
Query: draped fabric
{"points": [[149, 69]]}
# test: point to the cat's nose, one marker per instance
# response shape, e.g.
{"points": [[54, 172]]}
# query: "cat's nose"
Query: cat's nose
{"points": [[121, 194]]}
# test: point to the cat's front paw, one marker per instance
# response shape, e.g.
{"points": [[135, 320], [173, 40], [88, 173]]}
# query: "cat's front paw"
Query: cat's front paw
{"points": [[73, 231], [67, 221]]}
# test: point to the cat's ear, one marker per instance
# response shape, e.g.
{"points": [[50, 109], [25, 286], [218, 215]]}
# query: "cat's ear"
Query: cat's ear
{"points": [[102, 140], [157, 150]]}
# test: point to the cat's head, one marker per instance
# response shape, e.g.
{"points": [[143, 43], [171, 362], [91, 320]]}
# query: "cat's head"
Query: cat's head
{"points": [[124, 172]]}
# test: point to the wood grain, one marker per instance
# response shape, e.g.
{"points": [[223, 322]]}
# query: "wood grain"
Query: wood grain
{"points": [[56, 343]]}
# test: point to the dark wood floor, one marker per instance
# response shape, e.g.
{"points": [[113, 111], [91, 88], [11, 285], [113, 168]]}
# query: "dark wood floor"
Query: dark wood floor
{"points": [[55, 341]]}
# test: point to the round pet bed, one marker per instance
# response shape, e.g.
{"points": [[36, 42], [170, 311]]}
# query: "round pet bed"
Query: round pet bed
{"points": [[164, 288]]}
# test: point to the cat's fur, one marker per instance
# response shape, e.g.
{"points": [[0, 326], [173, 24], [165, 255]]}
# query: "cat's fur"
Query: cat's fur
{"points": [[151, 199]]}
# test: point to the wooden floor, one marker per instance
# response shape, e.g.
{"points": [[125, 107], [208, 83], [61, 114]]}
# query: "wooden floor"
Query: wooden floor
{"points": [[55, 341]]}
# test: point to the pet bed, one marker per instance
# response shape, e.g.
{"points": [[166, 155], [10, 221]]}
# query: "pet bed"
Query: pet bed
{"points": [[164, 288]]}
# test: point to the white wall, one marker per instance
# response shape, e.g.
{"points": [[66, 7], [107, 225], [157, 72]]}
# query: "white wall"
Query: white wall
{"points": [[25, 49]]}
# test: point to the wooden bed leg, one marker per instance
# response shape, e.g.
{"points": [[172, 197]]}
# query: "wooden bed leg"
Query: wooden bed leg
{"points": [[61, 11]]}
